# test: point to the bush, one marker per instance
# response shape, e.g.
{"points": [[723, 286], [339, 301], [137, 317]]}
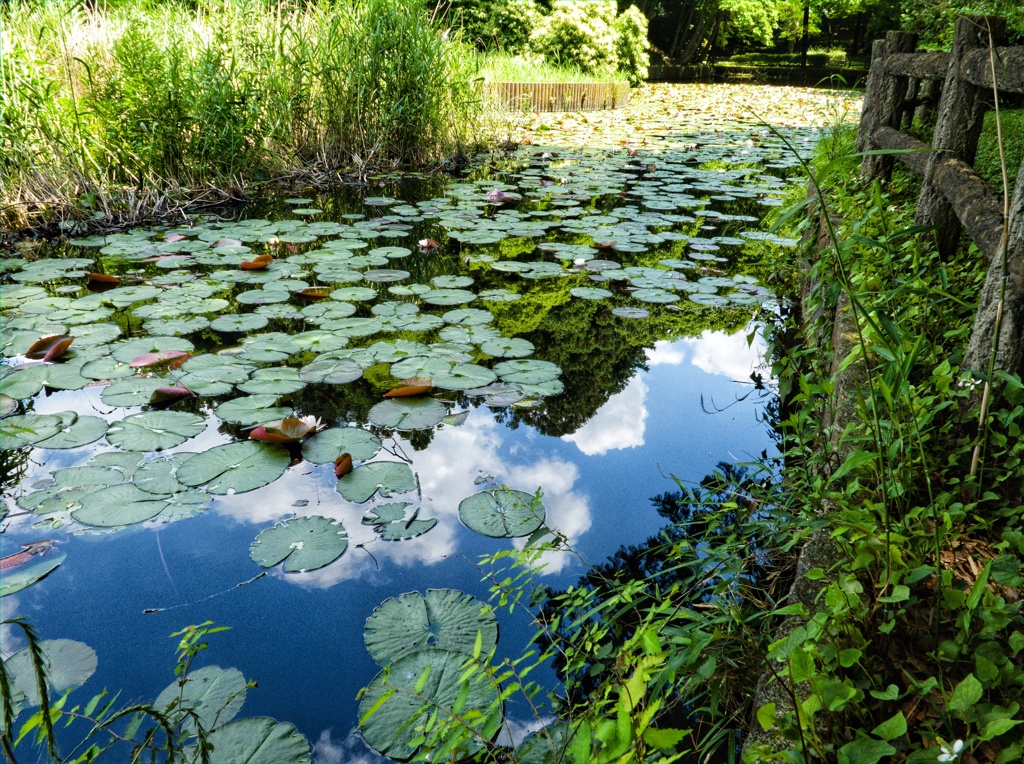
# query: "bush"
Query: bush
{"points": [[579, 33], [631, 45], [494, 24]]}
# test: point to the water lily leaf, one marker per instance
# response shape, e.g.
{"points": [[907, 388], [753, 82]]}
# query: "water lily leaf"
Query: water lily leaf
{"points": [[391, 253], [354, 294], [235, 467], [302, 543], [8, 405], [507, 347], [118, 505], [655, 295], [387, 478], [154, 430], [69, 664], [331, 370], [498, 295], [446, 619], [215, 695], [107, 367], [547, 746], [405, 414], [410, 391], [257, 740], [15, 579], [468, 317], [252, 409], [25, 382], [383, 276], [26, 429], [398, 521], [630, 312], [171, 359], [319, 341], [241, 322], [159, 476], [287, 430], [279, 380], [49, 348], [325, 446], [448, 296], [402, 701], [451, 282], [502, 513], [527, 371], [462, 376], [216, 375], [169, 395], [80, 431], [133, 391]]}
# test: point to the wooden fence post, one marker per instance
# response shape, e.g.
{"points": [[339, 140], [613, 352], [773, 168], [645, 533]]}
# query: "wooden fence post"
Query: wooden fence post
{"points": [[883, 101], [958, 126]]}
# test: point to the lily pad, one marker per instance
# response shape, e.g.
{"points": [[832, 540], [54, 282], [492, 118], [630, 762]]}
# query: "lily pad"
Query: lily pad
{"points": [[134, 391], [329, 444], [302, 543], [415, 686], [279, 380], [79, 431], [252, 409], [448, 296], [405, 414], [397, 522], [154, 430], [235, 467], [386, 478], [15, 579], [213, 694], [118, 505], [27, 429], [331, 370], [446, 619], [507, 347], [527, 371], [462, 376], [257, 740], [241, 322], [502, 513], [69, 664], [159, 475]]}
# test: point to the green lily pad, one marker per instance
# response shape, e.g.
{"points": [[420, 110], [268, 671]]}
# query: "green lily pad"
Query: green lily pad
{"points": [[159, 475], [405, 414], [354, 294], [107, 367], [502, 513], [133, 391], [214, 374], [655, 295], [23, 383], [257, 740], [446, 619], [549, 745], [384, 275], [590, 293], [128, 350], [507, 347], [118, 505], [451, 282], [279, 380], [252, 409], [15, 579], [462, 376], [235, 467], [327, 445], [448, 296], [386, 478], [527, 371], [241, 322], [397, 522], [69, 664], [213, 694], [302, 543], [401, 705], [154, 430], [27, 429], [79, 431], [331, 370]]}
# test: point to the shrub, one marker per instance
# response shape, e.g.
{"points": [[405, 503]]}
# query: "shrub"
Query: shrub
{"points": [[631, 45], [494, 24], [579, 33]]}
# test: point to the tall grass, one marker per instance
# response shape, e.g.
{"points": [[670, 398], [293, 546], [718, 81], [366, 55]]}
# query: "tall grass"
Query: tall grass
{"points": [[158, 96]]}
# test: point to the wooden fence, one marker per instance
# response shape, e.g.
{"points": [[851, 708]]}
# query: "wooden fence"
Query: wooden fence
{"points": [[561, 96], [903, 86]]}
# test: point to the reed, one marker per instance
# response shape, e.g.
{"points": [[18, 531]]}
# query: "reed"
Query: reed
{"points": [[162, 97]]}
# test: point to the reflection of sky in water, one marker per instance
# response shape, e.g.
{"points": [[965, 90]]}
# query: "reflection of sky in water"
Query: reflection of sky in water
{"points": [[300, 635]]}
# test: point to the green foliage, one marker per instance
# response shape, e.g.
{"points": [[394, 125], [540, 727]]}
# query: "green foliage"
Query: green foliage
{"points": [[503, 25], [631, 45], [95, 100], [578, 33], [181, 729]]}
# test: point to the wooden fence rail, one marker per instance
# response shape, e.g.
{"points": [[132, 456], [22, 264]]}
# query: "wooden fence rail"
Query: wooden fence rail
{"points": [[904, 85]]}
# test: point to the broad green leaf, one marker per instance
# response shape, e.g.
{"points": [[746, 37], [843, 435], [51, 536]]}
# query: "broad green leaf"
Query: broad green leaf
{"points": [[68, 665], [235, 467], [257, 740], [118, 505], [302, 543], [405, 414], [214, 694], [446, 619], [15, 579], [77, 431], [252, 409], [154, 430], [398, 521], [327, 445], [502, 513], [386, 478]]}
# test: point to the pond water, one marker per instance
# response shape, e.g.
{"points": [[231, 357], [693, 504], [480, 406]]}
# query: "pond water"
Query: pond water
{"points": [[582, 317]]}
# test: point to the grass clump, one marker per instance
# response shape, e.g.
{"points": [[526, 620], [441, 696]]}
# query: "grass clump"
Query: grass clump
{"points": [[154, 97], [501, 67]]}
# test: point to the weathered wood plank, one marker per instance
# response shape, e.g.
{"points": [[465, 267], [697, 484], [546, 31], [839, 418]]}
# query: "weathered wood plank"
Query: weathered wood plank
{"points": [[923, 66], [883, 100], [957, 128], [975, 68], [561, 96], [973, 202]]}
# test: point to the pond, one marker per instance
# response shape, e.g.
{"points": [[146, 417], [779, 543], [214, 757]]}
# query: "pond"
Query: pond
{"points": [[563, 323]]}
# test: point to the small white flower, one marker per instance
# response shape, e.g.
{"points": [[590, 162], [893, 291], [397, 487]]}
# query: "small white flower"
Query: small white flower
{"points": [[312, 422], [950, 753]]}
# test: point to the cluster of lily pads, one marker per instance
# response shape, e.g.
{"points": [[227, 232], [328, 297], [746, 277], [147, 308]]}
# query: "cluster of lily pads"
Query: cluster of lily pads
{"points": [[210, 697]]}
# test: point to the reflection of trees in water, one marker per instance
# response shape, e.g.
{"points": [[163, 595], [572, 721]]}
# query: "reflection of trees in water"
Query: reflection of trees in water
{"points": [[13, 466], [718, 545]]}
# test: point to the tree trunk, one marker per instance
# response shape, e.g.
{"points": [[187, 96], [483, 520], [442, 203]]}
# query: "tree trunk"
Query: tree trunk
{"points": [[804, 41]]}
